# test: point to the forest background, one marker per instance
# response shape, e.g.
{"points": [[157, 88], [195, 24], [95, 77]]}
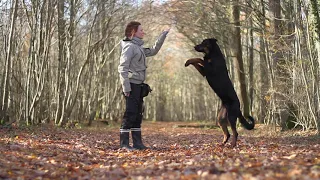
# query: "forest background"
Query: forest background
{"points": [[59, 59]]}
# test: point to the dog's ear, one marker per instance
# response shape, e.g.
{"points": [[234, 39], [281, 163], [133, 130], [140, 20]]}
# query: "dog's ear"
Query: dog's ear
{"points": [[213, 40]]}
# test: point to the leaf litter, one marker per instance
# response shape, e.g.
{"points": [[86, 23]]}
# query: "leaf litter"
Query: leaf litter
{"points": [[175, 152]]}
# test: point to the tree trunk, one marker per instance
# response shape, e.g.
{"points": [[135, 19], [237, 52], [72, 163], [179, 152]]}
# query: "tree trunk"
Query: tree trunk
{"points": [[7, 76], [264, 77], [239, 60], [281, 73], [59, 119], [251, 64], [315, 12]]}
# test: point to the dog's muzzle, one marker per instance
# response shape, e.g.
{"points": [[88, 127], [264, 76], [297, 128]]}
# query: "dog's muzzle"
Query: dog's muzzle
{"points": [[199, 48]]}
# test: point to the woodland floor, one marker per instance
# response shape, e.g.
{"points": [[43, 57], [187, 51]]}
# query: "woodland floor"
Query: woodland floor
{"points": [[179, 151]]}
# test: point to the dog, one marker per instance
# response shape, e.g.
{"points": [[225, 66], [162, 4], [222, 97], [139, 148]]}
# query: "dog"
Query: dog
{"points": [[213, 67]]}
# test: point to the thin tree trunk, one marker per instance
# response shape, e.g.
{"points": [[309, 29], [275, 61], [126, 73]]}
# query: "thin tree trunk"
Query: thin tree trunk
{"points": [[59, 119], [251, 56], [316, 15], [71, 30], [264, 77], [8, 68], [239, 60]]}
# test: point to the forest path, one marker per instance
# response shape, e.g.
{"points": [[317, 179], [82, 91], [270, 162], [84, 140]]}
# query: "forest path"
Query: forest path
{"points": [[180, 150]]}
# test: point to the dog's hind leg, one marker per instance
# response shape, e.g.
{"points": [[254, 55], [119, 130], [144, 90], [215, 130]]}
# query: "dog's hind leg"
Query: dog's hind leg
{"points": [[226, 134], [233, 110], [223, 123], [233, 124]]}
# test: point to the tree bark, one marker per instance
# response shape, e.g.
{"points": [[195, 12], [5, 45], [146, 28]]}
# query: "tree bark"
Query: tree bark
{"points": [[239, 59], [281, 74], [264, 77], [251, 64], [59, 119], [315, 12], [8, 68]]}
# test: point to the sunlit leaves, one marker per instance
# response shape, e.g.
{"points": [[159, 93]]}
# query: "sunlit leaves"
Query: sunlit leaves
{"points": [[177, 153]]}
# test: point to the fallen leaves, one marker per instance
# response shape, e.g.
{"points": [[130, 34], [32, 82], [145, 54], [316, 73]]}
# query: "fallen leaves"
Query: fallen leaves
{"points": [[176, 153]]}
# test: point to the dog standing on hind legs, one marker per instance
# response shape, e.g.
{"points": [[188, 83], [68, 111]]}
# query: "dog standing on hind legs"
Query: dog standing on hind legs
{"points": [[213, 67]]}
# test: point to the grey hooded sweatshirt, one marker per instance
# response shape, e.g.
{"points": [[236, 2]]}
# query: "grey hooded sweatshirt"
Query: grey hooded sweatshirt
{"points": [[133, 66]]}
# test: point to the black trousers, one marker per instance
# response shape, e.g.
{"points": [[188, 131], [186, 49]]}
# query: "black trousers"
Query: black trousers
{"points": [[133, 115]]}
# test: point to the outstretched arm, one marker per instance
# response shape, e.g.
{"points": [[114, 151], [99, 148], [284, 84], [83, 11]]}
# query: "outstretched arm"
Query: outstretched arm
{"points": [[197, 63], [157, 45]]}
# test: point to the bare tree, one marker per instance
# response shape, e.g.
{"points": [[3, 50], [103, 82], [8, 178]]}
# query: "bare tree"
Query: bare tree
{"points": [[8, 64], [316, 15], [238, 57], [59, 59], [264, 73]]}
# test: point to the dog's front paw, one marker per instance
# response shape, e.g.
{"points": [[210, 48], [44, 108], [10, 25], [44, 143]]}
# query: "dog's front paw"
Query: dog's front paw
{"points": [[188, 62]]}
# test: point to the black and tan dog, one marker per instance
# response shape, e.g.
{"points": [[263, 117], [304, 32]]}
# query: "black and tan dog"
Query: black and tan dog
{"points": [[213, 67]]}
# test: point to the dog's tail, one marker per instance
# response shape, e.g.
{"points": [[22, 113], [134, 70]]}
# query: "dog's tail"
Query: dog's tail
{"points": [[246, 124]]}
